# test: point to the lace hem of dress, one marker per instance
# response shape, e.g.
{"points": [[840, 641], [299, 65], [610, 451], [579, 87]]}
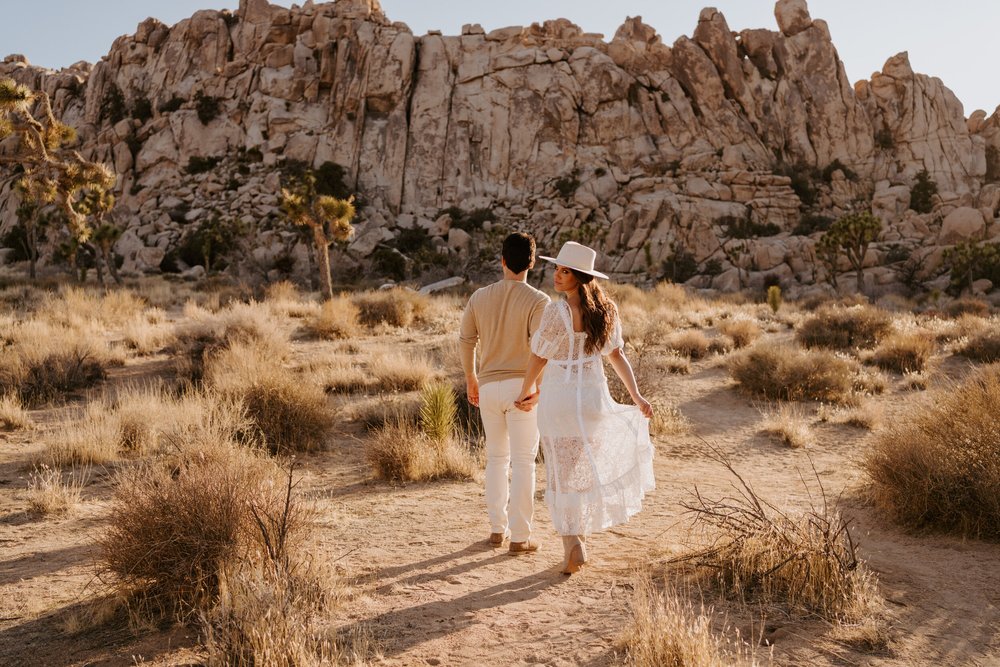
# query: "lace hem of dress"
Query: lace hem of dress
{"points": [[608, 505]]}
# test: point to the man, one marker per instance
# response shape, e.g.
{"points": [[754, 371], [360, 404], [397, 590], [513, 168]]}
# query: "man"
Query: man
{"points": [[502, 317]]}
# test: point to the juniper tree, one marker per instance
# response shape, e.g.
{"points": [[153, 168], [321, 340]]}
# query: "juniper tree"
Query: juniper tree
{"points": [[850, 235], [327, 217], [52, 173]]}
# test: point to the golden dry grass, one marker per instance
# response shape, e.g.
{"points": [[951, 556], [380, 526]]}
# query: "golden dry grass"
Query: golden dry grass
{"points": [[666, 629], [937, 466], [776, 371], [337, 318], [904, 352], [788, 424], [287, 411], [52, 492], [396, 307], [967, 306], [691, 343], [667, 419], [400, 451], [845, 328], [13, 416], [983, 347], [741, 330]]}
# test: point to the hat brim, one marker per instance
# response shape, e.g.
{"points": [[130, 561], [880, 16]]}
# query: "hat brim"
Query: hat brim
{"points": [[596, 274]]}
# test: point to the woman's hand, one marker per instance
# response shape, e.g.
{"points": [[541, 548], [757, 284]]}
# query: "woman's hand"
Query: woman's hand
{"points": [[645, 407], [526, 402]]}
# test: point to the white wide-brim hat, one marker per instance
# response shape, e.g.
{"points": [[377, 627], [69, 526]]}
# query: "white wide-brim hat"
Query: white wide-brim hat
{"points": [[577, 257]]}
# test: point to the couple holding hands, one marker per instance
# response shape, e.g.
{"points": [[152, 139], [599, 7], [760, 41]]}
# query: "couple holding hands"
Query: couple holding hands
{"points": [[540, 376]]}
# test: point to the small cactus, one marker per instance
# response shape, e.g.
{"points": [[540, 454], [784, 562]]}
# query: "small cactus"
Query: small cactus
{"points": [[774, 297]]}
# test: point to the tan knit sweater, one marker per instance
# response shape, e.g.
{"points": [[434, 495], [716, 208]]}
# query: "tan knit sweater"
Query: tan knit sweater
{"points": [[500, 317]]}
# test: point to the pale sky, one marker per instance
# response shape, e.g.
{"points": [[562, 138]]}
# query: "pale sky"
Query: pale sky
{"points": [[954, 41]]}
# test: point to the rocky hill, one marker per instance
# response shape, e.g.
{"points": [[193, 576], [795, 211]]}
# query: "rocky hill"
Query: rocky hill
{"points": [[721, 156]]}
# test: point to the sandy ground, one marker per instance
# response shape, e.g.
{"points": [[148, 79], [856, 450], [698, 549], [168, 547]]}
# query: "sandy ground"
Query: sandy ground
{"points": [[433, 592]]}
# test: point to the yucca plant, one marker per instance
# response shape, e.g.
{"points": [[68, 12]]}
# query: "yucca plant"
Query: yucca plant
{"points": [[438, 412]]}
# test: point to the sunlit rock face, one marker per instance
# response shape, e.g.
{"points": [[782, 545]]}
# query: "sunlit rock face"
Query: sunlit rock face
{"points": [[640, 148]]}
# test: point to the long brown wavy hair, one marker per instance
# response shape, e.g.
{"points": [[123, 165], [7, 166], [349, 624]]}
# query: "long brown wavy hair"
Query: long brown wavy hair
{"points": [[598, 312]]}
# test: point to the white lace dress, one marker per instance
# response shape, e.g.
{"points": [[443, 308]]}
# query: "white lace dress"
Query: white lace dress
{"points": [[598, 457]]}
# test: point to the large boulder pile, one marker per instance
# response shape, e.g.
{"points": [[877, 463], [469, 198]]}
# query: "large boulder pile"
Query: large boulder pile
{"points": [[655, 153]]}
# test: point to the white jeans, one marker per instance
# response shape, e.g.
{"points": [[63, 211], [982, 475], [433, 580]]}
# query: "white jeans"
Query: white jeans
{"points": [[511, 443]]}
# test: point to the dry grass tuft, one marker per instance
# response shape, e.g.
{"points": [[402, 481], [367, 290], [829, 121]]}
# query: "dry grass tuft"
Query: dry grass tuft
{"points": [[777, 371], [967, 306], [916, 381], [904, 352], [866, 415], [938, 465], [789, 424], [52, 492], [692, 344], [804, 560], [394, 372], [277, 616], [337, 318], [397, 307], [667, 419], [665, 629], [983, 347], [845, 328], [288, 413], [400, 451], [13, 416], [741, 330]]}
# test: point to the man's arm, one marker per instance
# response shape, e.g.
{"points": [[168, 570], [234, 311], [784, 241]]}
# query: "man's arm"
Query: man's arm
{"points": [[467, 341]]}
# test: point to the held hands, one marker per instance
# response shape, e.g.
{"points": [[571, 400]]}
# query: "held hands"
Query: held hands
{"points": [[526, 402]]}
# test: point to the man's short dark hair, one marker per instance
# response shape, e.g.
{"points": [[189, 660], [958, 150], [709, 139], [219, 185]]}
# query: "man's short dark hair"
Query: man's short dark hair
{"points": [[518, 251]]}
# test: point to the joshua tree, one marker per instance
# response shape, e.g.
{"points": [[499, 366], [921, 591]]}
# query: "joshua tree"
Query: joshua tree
{"points": [[52, 173], [96, 203], [329, 219], [851, 235]]}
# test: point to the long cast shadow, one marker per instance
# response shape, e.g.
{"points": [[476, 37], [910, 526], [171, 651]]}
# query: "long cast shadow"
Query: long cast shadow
{"points": [[39, 563], [474, 548], [403, 629]]}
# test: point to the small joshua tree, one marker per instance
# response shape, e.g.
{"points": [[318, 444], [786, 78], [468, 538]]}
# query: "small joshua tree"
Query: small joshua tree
{"points": [[96, 203], [850, 235], [329, 219]]}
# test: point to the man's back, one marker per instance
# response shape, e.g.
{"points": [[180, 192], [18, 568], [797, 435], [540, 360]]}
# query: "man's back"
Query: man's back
{"points": [[502, 317]]}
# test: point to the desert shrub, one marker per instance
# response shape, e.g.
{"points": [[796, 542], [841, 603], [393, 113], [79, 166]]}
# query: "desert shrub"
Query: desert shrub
{"points": [[922, 193], [208, 107], [199, 165], [400, 451], [803, 178], [680, 265], [567, 185], [983, 347], [691, 343], [845, 328], [805, 560], [667, 418], [287, 412], [398, 307], [171, 105], [737, 227], [837, 165], [147, 337], [41, 380], [884, 139], [665, 629], [789, 425], [142, 108], [113, 107], [741, 330], [967, 306], [393, 372], [904, 352], [810, 223], [172, 529], [337, 318], [969, 261], [13, 416], [938, 465], [777, 371]]}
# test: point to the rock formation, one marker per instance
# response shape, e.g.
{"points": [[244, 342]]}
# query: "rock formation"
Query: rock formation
{"points": [[652, 152]]}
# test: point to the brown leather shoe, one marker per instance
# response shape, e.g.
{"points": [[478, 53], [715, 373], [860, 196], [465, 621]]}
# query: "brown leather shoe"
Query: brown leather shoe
{"points": [[496, 539], [526, 547]]}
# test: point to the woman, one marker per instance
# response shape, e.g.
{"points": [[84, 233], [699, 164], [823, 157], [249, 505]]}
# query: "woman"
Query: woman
{"points": [[598, 457]]}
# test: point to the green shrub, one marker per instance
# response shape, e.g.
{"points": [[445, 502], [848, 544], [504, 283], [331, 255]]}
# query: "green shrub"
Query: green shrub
{"points": [[113, 107], [810, 223], [566, 186], [199, 165], [803, 178], [209, 242], [142, 108], [922, 193], [171, 105], [208, 107], [884, 139], [969, 261], [735, 227]]}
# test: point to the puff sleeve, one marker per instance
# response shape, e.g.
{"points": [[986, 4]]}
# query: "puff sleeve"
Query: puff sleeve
{"points": [[550, 334]]}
